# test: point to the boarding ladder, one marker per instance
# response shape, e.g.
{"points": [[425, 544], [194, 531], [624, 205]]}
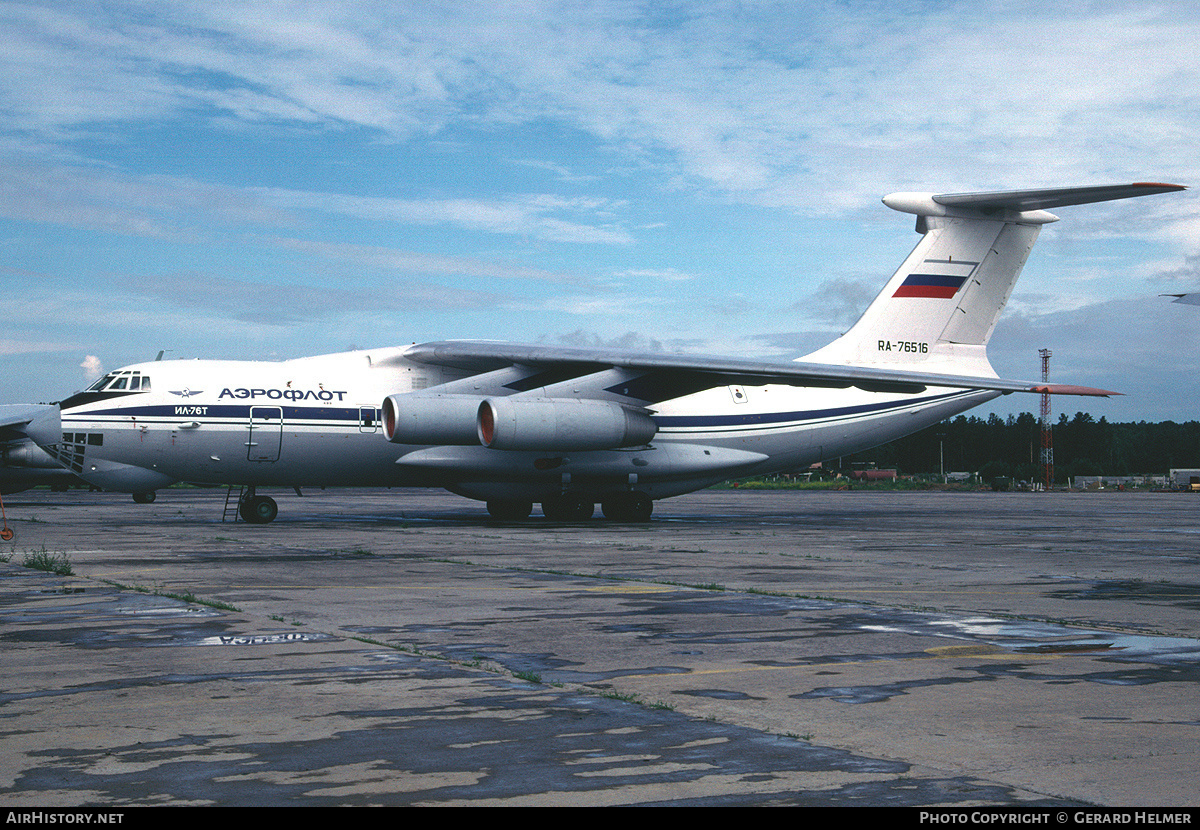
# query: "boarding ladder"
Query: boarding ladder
{"points": [[233, 505]]}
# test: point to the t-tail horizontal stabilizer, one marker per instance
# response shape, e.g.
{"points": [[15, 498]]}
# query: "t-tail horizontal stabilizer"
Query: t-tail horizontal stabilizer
{"points": [[996, 204]]}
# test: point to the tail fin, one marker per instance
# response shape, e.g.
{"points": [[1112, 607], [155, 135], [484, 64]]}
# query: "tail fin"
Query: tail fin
{"points": [[939, 309]]}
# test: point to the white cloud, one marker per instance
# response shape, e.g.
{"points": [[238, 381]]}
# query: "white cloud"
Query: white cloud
{"points": [[851, 95], [92, 368], [19, 346], [189, 210], [522, 215]]}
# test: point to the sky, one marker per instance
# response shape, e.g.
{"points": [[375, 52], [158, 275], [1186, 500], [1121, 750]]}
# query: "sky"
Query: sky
{"points": [[266, 180]]}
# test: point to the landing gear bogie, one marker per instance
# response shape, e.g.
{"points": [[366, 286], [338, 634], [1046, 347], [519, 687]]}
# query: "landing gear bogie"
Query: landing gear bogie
{"points": [[628, 507], [568, 508], [509, 510]]}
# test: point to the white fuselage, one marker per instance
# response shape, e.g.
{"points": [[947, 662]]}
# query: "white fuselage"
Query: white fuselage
{"points": [[316, 422]]}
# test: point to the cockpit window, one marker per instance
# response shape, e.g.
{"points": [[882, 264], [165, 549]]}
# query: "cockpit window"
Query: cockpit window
{"points": [[120, 382], [125, 381]]}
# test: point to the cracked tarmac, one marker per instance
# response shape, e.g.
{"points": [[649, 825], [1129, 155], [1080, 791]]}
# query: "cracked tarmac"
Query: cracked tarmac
{"points": [[744, 648]]}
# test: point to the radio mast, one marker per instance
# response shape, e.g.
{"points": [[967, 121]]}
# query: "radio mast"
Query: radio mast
{"points": [[1047, 429]]}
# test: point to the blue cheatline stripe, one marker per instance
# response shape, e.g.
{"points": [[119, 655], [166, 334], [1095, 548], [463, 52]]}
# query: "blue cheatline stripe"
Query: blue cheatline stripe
{"points": [[211, 411], [766, 419]]}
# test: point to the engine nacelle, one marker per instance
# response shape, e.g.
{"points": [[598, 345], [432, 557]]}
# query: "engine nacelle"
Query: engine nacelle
{"points": [[561, 425], [434, 420], [27, 454]]}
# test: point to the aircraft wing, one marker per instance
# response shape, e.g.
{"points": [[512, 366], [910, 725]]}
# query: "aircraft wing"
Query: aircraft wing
{"points": [[652, 377], [16, 418]]}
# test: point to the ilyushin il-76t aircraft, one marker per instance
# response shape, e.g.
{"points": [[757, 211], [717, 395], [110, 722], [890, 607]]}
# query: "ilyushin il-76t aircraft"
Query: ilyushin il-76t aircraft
{"points": [[515, 425]]}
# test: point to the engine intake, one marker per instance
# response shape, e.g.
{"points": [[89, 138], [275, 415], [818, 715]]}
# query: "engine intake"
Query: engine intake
{"points": [[561, 425]]}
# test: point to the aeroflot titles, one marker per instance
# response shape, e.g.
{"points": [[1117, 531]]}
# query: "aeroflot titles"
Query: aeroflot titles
{"points": [[282, 394]]}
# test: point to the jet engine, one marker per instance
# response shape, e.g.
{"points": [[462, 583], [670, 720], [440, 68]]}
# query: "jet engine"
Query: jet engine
{"points": [[431, 420], [561, 424]]}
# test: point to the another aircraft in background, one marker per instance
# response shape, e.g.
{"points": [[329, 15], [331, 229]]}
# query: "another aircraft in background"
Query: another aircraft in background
{"points": [[515, 425], [1186, 299], [23, 464]]}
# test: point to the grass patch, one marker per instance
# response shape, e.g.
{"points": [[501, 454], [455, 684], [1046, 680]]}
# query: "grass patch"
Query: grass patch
{"points": [[44, 560], [192, 599], [615, 695], [612, 694], [186, 596], [529, 676], [371, 641]]}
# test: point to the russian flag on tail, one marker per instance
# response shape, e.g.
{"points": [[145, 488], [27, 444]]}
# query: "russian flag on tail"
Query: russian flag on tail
{"points": [[930, 285]]}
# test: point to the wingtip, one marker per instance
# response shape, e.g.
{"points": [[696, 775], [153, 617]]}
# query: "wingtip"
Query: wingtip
{"points": [[1067, 389], [1163, 185]]}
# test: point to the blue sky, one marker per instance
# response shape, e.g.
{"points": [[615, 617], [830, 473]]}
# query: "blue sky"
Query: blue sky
{"points": [[275, 179]]}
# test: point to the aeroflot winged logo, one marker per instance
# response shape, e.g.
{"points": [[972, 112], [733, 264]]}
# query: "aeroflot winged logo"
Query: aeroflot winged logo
{"points": [[929, 285]]}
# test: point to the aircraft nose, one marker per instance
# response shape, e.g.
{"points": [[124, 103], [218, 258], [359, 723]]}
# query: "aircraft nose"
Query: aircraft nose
{"points": [[46, 427]]}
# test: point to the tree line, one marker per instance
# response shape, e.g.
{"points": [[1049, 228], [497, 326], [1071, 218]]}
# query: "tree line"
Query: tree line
{"points": [[1012, 447]]}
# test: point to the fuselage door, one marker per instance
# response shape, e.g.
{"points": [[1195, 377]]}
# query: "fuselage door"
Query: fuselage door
{"points": [[266, 433], [368, 419]]}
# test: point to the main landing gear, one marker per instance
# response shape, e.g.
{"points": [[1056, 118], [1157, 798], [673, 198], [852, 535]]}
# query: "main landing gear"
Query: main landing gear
{"points": [[257, 510], [628, 507], [509, 510], [572, 507]]}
